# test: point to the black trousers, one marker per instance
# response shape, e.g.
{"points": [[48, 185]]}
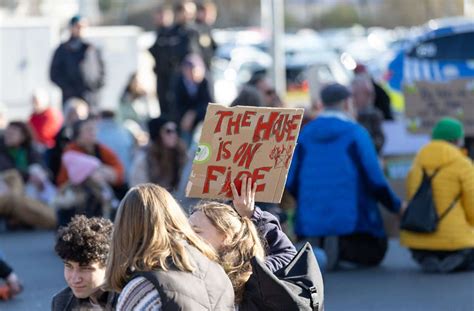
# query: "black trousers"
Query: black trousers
{"points": [[466, 255], [363, 249], [358, 248]]}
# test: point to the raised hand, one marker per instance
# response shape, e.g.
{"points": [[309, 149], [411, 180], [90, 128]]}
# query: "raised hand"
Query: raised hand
{"points": [[245, 202]]}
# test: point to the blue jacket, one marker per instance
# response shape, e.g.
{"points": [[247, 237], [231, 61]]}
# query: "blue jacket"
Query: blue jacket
{"points": [[337, 180]]}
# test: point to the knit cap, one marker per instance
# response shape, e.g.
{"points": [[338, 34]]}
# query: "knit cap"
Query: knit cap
{"points": [[448, 129]]}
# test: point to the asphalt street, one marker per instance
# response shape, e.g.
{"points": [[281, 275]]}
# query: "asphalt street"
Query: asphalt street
{"points": [[396, 285]]}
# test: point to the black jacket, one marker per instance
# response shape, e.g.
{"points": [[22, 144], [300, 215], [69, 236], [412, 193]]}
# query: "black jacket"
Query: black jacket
{"points": [[78, 70], [66, 301], [5, 270], [184, 101]]}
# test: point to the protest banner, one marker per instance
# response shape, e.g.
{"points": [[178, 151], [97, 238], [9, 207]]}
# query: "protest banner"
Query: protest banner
{"points": [[244, 141], [427, 102]]}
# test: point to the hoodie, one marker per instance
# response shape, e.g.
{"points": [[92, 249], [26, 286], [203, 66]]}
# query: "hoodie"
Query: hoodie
{"points": [[337, 181], [455, 176]]}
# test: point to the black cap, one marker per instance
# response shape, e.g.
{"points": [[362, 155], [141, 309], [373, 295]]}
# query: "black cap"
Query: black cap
{"points": [[334, 93]]}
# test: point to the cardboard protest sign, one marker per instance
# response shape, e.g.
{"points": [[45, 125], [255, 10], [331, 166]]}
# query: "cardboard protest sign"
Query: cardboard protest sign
{"points": [[244, 141], [427, 102]]}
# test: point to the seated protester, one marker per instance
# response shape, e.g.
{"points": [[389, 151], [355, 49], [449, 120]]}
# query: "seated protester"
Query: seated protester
{"points": [[86, 192], [84, 246], [18, 208], [118, 138], [451, 246], [162, 161], [367, 115], [39, 187], [134, 102], [75, 109], [17, 156], [84, 140], [337, 181], [232, 232], [17, 150], [12, 285], [45, 121], [157, 262]]}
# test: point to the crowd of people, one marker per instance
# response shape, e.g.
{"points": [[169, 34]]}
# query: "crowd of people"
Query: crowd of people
{"points": [[112, 183]]}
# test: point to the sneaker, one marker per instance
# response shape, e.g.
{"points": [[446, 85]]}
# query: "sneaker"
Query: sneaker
{"points": [[331, 248], [430, 264], [451, 263]]}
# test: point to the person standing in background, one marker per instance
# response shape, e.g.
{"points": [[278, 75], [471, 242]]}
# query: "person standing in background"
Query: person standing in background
{"points": [[205, 18], [169, 51], [191, 95], [77, 67]]}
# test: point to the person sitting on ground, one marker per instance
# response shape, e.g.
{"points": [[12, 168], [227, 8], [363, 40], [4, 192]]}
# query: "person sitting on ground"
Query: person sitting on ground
{"points": [[337, 181], [84, 245], [84, 136], [367, 115], [118, 138], [162, 161], [134, 103], [75, 109], [451, 246], [17, 158], [86, 192], [45, 121], [157, 261], [235, 235], [269, 94], [12, 283]]}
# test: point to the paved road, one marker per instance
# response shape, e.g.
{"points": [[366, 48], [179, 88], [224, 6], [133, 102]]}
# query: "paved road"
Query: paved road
{"points": [[396, 285]]}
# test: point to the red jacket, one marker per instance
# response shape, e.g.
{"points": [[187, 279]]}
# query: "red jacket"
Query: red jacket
{"points": [[46, 125], [105, 155]]}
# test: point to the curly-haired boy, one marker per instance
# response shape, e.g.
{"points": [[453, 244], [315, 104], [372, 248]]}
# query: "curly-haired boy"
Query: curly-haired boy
{"points": [[84, 245]]}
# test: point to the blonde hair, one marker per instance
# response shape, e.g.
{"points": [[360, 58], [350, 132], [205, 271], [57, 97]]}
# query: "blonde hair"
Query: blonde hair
{"points": [[149, 232], [241, 243]]}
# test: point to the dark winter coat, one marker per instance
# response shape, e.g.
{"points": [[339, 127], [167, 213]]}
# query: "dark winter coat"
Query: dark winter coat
{"points": [[78, 70], [66, 301], [279, 249], [197, 102]]}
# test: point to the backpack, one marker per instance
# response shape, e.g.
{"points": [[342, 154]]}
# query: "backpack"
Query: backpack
{"points": [[298, 286], [421, 215]]}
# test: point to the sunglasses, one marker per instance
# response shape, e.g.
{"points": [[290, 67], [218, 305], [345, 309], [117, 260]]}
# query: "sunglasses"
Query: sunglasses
{"points": [[270, 92], [170, 131]]}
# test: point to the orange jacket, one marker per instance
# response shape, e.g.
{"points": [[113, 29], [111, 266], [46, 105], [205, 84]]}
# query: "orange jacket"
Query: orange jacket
{"points": [[106, 156]]}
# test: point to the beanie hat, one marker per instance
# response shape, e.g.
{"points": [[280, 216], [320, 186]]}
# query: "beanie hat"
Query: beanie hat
{"points": [[334, 93], [79, 166], [448, 129], [155, 125]]}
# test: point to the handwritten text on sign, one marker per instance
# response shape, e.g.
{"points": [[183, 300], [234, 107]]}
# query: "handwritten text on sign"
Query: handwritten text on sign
{"points": [[244, 142]]}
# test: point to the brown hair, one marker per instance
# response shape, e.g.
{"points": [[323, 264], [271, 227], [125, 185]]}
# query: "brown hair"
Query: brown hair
{"points": [[149, 232], [26, 131], [241, 243]]}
